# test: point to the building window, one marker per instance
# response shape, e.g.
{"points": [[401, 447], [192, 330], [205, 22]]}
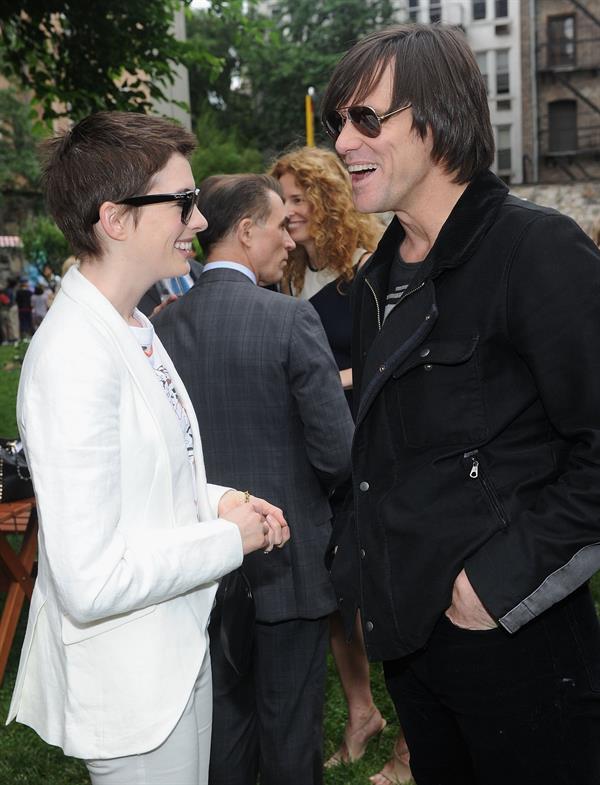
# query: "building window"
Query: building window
{"points": [[504, 106], [435, 10], [502, 75], [479, 9], [562, 126], [561, 40], [482, 58], [413, 10], [503, 148], [501, 9]]}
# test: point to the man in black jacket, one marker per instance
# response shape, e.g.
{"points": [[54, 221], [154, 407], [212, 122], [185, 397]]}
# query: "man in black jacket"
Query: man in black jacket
{"points": [[475, 523]]}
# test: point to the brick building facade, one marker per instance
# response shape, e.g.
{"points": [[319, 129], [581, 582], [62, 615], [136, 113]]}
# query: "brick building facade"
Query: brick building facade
{"points": [[561, 97]]}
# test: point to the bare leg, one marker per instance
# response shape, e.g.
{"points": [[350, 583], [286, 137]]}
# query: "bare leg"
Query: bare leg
{"points": [[364, 718]]}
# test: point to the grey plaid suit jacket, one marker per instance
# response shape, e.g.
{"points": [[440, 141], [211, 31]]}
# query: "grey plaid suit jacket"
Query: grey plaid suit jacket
{"points": [[273, 419]]}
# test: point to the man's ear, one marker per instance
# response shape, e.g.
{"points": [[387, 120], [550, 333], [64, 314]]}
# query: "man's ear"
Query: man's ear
{"points": [[244, 232], [114, 220]]}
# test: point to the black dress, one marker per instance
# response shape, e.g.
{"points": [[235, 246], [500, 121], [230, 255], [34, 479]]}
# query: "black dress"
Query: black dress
{"points": [[332, 303]]}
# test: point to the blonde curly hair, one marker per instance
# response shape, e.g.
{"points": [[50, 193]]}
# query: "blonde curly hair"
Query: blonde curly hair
{"points": [[335, 225]]}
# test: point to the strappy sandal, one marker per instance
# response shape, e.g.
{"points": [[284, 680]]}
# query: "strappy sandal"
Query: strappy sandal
{"points": [[350, 750], [397, 770]]}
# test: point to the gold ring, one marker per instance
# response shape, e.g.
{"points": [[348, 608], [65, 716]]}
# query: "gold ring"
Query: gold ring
{"points": [[246, 497]]}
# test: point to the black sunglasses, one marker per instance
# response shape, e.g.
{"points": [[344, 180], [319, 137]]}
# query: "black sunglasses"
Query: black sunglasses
{"points": [[188, 200], [364, 118]]}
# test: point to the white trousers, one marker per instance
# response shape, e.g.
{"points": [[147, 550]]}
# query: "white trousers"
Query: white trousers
{"points": [[182, 758]]}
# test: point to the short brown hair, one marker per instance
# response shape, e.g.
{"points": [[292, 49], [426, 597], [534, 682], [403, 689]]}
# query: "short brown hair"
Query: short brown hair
{"points": [[108, 156], [227, 199], [434, 70]]}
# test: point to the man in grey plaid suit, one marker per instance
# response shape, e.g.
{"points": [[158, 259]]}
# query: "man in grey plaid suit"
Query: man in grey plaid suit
{"points": [[273, 419]]}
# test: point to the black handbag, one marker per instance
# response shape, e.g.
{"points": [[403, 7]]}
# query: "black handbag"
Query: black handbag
{"points": [[235, 615], [15, 480]]}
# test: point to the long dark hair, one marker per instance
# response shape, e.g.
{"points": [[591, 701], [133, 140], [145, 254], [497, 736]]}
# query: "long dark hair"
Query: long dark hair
{"points": [[435, 71]]}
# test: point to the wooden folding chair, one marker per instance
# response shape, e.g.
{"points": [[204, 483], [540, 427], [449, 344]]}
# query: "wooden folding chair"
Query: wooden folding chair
{"points": [[16, 568]]}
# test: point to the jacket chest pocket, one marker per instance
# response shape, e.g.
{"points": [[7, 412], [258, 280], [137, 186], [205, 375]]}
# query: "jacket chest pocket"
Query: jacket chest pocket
{"points": [[439, 394]]}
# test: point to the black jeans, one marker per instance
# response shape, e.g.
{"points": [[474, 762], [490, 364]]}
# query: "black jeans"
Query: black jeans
{"points": [[489, 708]]}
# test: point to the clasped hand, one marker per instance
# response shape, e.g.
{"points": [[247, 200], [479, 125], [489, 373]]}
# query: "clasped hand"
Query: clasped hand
{"points": [[261, 524]]}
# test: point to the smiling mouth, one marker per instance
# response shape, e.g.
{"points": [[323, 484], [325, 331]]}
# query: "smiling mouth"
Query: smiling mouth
{"points": [[360, 172], [186, 247]]}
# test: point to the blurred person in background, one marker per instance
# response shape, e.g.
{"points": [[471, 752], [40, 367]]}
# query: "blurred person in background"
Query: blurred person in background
{"points": [[23, 295], [332, 241], [9, 313], [40, 301]]}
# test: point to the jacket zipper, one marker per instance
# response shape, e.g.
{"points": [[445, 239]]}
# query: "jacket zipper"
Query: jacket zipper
{"points": [[376, 304], [403, 298], [477, 473]]}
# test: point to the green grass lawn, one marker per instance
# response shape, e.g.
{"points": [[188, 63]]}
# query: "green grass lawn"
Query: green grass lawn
{"points": [[10, 366], [26, 760]]}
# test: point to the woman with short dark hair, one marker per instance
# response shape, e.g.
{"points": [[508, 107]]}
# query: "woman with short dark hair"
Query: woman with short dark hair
{"points": [[115, 666]]}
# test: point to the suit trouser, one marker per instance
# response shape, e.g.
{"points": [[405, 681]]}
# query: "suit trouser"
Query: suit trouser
{"points": [[182, 758], [270, 721], [489, 708]]}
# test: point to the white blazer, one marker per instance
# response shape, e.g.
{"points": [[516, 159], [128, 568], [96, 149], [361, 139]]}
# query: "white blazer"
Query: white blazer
{"points": [[128, 562]]}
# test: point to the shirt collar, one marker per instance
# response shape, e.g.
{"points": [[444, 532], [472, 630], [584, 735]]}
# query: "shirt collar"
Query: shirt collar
{"points": [[230, 266]]}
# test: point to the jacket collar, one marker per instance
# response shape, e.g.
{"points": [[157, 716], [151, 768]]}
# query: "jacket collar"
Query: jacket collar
{"points": [[76, 287], [459, 237]]}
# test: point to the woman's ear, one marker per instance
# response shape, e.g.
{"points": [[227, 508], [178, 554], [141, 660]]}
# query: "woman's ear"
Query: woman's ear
{"points": [[114, 220]]}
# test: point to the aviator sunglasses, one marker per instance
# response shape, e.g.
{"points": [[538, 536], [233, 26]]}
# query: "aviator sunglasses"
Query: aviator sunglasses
{"points": [[187, 199], [364, 118]]}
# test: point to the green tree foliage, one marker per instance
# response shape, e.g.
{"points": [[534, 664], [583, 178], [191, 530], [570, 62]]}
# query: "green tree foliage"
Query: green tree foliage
{"points": [[79, 57], [269, 62], [44, 243], [220, 152], [19, 168], [309, 38], [225, 30]]}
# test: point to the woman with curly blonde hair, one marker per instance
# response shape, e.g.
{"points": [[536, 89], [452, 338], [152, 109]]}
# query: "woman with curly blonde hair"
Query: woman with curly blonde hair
{"points": [[332, 241], [326, 227]]}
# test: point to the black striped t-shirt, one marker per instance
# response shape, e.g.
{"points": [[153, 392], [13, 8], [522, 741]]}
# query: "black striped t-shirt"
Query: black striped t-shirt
{"points": [[401, 275]]}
